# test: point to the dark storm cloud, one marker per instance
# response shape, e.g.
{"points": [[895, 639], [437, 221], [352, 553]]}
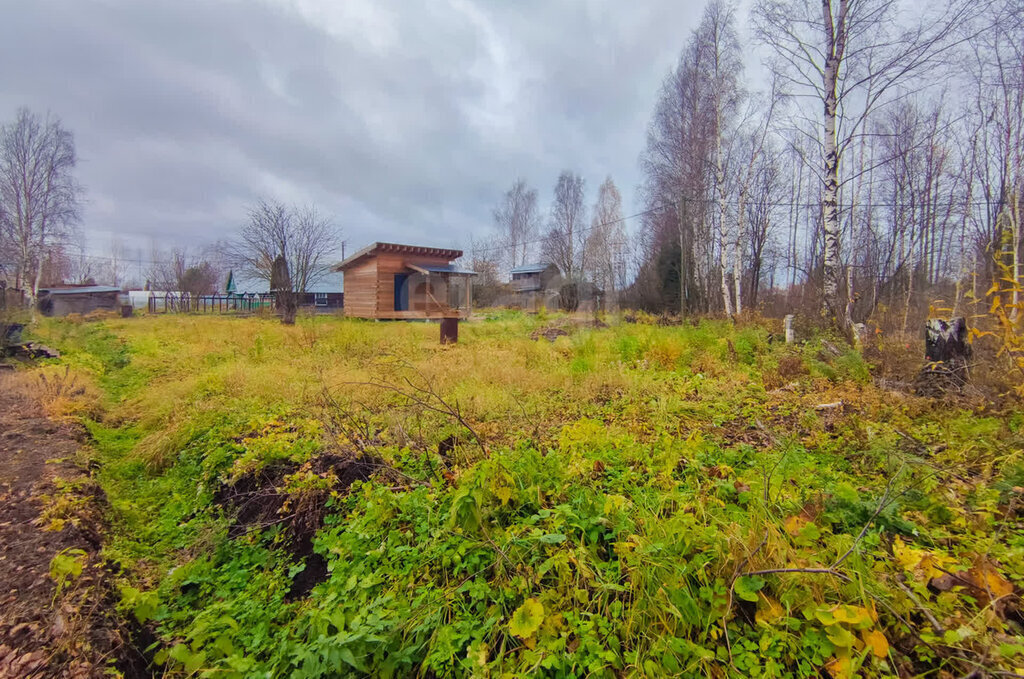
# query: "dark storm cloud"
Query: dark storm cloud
{"points": [[405, 122]]}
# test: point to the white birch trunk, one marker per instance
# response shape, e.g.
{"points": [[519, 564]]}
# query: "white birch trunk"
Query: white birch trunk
{"points": [[834, 46], [682, 257], [722, 211], [737, 265], [1015, 235]]}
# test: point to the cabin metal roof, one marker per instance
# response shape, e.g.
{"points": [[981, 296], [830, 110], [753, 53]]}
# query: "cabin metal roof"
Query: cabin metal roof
{"points": [[396, 248], [451, 268], [537, 267]]}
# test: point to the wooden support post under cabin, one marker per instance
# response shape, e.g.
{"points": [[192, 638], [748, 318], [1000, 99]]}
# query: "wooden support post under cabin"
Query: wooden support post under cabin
{"points": [[450, 330], [946, 353], [790, 333]]}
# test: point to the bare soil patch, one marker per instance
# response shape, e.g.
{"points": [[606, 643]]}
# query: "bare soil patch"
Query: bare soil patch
{"points": [[49, 506], [260, 500]]}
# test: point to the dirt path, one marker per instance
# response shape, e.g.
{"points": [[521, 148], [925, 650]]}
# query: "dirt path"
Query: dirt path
{"points": [[44, 633]]}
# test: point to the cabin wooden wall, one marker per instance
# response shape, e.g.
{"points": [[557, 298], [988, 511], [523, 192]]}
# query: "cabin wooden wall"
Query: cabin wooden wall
{"points": [[361, 289], [370, 286]]}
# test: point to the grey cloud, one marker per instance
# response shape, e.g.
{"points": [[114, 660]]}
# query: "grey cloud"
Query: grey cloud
{"points": [[405, 122]]}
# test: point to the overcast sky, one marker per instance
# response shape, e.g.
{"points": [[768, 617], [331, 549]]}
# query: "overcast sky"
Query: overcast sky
{"points": [[403, 121]]}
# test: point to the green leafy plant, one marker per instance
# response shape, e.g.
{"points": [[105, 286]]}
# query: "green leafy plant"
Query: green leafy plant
{"points": [[66, 566]]}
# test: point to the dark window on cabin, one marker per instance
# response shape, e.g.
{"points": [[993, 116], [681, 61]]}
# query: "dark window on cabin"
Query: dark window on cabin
{"points": [[320, 298]]}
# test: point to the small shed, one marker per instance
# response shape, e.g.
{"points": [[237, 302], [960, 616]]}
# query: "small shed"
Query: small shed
{"points": [[535, 285], [77, 299], [395, 281]]}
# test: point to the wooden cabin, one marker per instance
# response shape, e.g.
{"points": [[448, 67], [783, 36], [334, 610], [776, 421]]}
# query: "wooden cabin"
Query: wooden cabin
{"points": [[394, 281]]}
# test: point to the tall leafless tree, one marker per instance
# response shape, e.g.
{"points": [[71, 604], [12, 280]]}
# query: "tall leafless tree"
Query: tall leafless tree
{"points": [[681, 184], [307, 240], [39, 195], [566, 240], [606, 242], [194, 272], [720, 69], [518, 220]]}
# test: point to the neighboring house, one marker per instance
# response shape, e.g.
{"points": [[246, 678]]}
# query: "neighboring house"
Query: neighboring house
{"points": [[535, 285], [394, 281], [322, 301], [327, 294], [77, 299]]}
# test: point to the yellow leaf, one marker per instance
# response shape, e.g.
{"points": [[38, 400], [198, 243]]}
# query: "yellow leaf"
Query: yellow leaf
{"points": [[906, 556], [527, 619], [924, 565], [985, 576], [851, 615], [839, 667], [769, 610], [876, 641], [501, 488], [795, 524], [503, 493], [552, 624]]}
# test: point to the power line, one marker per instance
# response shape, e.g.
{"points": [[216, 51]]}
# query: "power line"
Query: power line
{"points": [[130, 261], [582, 229], [736, 203]]}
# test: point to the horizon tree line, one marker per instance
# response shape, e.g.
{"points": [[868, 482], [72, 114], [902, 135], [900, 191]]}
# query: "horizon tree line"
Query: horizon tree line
{"points": [[879, 169]]}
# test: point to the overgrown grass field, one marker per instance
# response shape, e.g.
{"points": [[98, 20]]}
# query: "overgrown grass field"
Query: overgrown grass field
{"points": [[348, 498]]}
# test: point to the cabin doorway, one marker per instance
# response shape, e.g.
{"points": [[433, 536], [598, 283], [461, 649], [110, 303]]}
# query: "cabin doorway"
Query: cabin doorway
{"points": [[401, 292]]}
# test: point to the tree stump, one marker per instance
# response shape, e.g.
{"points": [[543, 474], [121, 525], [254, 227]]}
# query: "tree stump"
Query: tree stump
{"points": [[127, 310], [946, 354]]}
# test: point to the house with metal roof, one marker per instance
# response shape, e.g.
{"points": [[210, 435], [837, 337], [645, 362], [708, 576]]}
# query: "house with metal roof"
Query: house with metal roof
{"points": [[77, 299], [396, 281], [535, 285]]}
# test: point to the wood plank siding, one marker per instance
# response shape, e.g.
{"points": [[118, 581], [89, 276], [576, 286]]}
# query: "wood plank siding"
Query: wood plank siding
{"points": [[361, 289], [370, 281]]}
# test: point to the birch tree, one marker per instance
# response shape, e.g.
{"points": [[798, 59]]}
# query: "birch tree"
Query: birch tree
{"points": [[566, 240], [606, 242], [850, 57], [39, 195], [720, 69], [518, 221]]}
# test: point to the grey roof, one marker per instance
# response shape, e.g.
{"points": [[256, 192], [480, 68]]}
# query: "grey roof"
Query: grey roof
{"points": [[331, 282], [451, 268], [80, 289], [537, 267]]}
